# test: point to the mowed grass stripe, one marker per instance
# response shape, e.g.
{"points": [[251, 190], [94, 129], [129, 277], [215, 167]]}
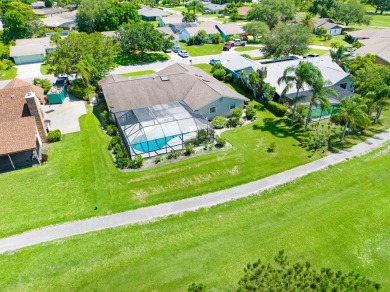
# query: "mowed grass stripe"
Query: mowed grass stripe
{"points": [[335, 218]]}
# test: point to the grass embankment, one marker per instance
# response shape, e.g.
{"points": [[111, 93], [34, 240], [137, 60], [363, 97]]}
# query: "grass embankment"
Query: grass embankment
{"points": [[317, 51], [246, 48], [138, 73], [336, 218], [80, 175], [202, 50]]}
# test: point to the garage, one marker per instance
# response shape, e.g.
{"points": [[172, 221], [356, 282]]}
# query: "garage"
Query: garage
{"points": [[20, 60], [28, 51]]}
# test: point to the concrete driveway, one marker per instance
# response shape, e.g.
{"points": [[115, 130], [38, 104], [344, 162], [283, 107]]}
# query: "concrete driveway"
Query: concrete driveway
{"points": [[65, 116]]}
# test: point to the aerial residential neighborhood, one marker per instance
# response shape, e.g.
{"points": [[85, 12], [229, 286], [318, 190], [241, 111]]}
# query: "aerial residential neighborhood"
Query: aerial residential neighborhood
{"points": [[202, 145]]}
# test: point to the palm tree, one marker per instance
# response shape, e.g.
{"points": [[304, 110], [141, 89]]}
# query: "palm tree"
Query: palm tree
{"points": [[304, 73], [341, 57], [380, 98], [196, 6], [308, 21], [353, 112], [320, 92]]}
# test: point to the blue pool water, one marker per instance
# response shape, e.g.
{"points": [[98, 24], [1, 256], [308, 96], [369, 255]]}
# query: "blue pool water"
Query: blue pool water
{"points": [[141, 143]]}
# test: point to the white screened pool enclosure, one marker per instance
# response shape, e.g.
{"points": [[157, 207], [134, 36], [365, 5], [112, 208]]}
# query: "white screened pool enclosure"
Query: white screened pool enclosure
{"points": [[159, 129]]}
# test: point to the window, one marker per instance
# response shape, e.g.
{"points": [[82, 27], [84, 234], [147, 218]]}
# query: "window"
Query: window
{"points": [[213, 110], [343, 85], [232, 105]]}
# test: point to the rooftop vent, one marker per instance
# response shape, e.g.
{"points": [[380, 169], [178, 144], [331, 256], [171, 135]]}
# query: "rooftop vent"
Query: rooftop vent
{"points": [[164, 78], [12, 96]]}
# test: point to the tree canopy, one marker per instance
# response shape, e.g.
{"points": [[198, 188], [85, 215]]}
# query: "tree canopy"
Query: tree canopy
{"points": [[322, 7], [78, 51], [380, 5], [285, 40], [350, 12], [272, 11], [105, 15], [256, 29]]}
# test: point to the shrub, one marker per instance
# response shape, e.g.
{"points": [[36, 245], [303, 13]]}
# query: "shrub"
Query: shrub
{"points": [[216, 38], [228, 78], [216, 66], [219, 74], [80, 90], [236, 113], [54, 136], [218, 122], [220, 142], [189, 149], [114, 141], [250, 112], [277, 109], [111, 129], [271, 147], [191, 41], [138, 161], [105, 115], [158, 159], [102, 105], [174, 154], [205, 145], [43, 83], [123, 162]]}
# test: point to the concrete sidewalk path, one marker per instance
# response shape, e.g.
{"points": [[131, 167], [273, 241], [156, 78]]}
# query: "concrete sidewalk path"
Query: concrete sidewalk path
{"points": [[146, 214]]}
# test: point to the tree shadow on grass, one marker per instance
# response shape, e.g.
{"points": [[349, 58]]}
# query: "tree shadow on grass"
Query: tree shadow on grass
{"points": [[135, 58]]}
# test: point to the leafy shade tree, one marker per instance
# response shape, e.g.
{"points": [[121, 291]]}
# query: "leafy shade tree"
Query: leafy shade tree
{"points": [[320, 91], [253, 80], [321, 31], [272, 12], [322, 7], [308, 21], [352, 113], [286, 276], [140, 37], [370, 77], [380, 5], [361, 62], [380, 98], [350, 12], [105, 15], [55, 38], [341, 57], [256, 29], [285, 40], [304, 73], [79, 51], [201, 37]]}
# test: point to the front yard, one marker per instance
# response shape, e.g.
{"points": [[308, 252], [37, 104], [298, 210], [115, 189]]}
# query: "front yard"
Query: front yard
{"points": [[202, 50], [8, 74], [135, 58], [319, 41]]}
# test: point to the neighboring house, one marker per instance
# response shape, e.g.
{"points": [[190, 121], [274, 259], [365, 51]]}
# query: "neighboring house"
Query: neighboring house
{"points": [[152, 112], [376, 42], [66, 20], [111, 33], [150, 14], [38, 5], [171, 19], [27, 51], [332, 28], [22, 129], [215, 8], [229, 30], [167, 31], [49, 11], [339, 79], [243, 11], [207, 26]]}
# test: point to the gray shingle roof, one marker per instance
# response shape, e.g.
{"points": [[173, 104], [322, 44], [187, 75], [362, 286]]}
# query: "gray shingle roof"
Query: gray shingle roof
{"points": [[152, 12]]}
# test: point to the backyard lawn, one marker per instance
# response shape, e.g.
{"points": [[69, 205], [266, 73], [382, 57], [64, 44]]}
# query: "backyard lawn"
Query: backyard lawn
{"points": [[337, 218], [246, 48], [203, 50], [380, 20], [138, 73], [8, 74], [319, 41]]}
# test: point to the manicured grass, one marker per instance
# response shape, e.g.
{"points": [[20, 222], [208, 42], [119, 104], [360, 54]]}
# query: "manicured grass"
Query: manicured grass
{"points": [[80, 175], [44, 68], [337, 218], [135, 58], [380, 20], [319, 41], [177, 8], [203, 50], [8, 74], [246, 48], [139, 73], [316, 51]]}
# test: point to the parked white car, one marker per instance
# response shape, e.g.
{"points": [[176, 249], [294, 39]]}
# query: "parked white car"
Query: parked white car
{"points": [[183, 54]]}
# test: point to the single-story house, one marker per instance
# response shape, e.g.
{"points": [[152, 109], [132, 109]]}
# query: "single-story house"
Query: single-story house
{"points": [[167, 31], [207, 26], [215, 8], [66, 20], [332, 28], [49, 11], [38, 5], [376, 42], [22, 128], [171, 19], [160, 112], [229, 30], [27, 51], [339, 79], [150, 14], [243, 11]]}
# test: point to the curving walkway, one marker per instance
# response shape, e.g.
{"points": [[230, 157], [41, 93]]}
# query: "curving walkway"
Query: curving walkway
{"points": [[151, 213]]}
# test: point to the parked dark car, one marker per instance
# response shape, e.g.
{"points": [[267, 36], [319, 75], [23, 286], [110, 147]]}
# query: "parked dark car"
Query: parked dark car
{"points": [[227, 46], [167, 50]]}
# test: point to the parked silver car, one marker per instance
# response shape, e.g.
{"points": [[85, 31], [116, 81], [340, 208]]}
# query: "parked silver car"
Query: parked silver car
{"points": [[183, 54]]}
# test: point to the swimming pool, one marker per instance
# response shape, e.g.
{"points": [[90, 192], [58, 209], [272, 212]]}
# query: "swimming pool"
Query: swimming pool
{"points": [[141, 143]]}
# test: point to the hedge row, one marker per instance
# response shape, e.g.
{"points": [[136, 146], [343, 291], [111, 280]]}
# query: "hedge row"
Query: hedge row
{"points": [[277, 109]]}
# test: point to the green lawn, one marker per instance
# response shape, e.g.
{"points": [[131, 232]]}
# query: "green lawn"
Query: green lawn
{"points": [[135, 58], [380, 20], [337, 218], [319, 41], [246, 48], [317, 51], [80, 175], [8, 74], [139, 73], [44, 68], [203, 50]]}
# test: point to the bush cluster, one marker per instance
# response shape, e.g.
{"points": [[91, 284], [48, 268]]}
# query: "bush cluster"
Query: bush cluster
{"points": [[174, 154], [250, 112], [43, 83], [220, 142], [54, 136], [277, 109], [219, 74], [81, 91], [218, 122], [122, 159]]}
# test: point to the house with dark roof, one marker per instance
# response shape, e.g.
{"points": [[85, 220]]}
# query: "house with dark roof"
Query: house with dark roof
{"points": [[159, 112], [22, 128], [332, 28], [215, 8]]}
